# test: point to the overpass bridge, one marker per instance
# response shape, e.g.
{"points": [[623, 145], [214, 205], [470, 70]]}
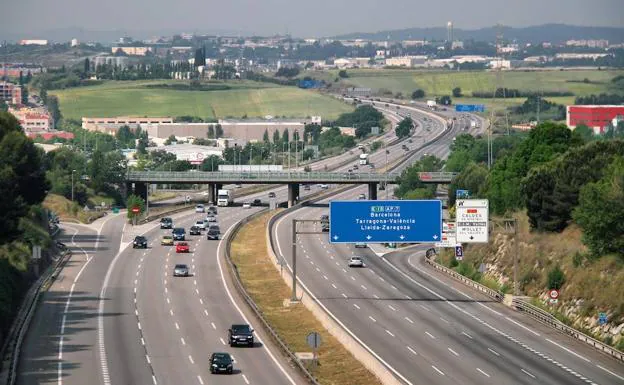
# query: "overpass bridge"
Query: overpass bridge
{"points": [[138, 181]]}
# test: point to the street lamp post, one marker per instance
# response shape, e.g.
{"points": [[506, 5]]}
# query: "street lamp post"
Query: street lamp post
{"points": [[72, 185]]}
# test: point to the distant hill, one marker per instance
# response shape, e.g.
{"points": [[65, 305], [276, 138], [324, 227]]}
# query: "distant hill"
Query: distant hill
{"points": [[555, 33]]}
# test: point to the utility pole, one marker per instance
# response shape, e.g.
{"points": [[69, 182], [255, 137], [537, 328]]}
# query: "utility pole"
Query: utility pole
{"points": [[72, 185]]}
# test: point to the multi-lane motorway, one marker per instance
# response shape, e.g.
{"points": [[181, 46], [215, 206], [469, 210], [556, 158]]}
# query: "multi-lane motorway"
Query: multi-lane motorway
{"points": [[424, 326], [116, 315]]}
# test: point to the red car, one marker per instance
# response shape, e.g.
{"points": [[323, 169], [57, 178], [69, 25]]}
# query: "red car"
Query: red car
{"points": [[182, 247]]}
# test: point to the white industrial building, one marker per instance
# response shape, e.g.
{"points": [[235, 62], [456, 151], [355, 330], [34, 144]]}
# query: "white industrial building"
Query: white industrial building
{"points": [[190, 152]]}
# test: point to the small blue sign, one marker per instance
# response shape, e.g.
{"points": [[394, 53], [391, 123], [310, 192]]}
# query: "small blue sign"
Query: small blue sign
{"points": [[602, 318], [462, 194], [459, 252], [400, 221], [470, 107]]}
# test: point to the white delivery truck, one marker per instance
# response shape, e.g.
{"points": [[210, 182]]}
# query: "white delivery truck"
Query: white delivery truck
{"points": [[431, 103], [363, 159], [224, 198]]}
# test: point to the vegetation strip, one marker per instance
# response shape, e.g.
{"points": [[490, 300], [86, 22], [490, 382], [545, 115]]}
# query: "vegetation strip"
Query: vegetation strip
{"points": [[267, 289]]}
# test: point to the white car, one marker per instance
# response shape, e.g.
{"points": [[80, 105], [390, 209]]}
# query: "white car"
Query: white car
{"points": [[211, 218], [361, 197], [324, 186], [356, 262], [246, 205], [201, 225], [200, 209], [360, 245]]}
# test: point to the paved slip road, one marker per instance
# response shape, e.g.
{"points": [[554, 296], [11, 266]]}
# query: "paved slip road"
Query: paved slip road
{"points": [[430, 329]]}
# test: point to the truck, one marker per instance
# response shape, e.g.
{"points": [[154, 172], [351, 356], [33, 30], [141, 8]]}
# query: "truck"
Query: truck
{"points": [[224, 198], [363, 159], [431, 103]]}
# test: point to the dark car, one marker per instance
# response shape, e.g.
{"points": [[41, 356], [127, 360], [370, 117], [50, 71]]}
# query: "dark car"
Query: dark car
{"points": [[221, 363], [325, 226], [166, 223], [240, 335], [256, 202], [212, 210], [195, 230], [140, 242], [213, 233], [271, 194], [178, 234], [325, 218]]}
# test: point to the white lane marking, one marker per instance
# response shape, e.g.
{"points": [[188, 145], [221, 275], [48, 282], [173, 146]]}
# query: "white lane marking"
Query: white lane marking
{"points": [[408, 297], [610, 372], [148, 359], [363, 287], [201, 301], [409, 320], [182, 340], [376, 296], [372, 319], [527, 373], [200, 380], [412, 350], [222, 341], [66, 309], [246, 380], [425, 307], [317, 269], [522, 326], [269, 352], [467, 335], [493, 351], [430, 335], [139, 325], [205, 312], [154, 379], [352, 278], [334, 286], [177, 326], [568, 350], [344, 295], [437, 370], [482, 372], [324, 276], [344, 271], [142, 341], [389, 332], [191, 359], [356, 306], [391, 308], [453, 351], [171, 311], [444, 320]]}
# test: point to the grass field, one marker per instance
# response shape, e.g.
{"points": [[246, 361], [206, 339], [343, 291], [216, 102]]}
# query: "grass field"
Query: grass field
{"points": [[245, 98]]}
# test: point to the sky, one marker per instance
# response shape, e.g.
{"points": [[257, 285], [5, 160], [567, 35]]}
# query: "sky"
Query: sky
{"points": [[301, 18]]}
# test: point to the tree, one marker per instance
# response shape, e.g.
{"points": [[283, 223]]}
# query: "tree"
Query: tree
{"points": [[265, 136], [125, 136], [276, 137], [600, 211], [218, 131], [135, 201], [444, 100], [404, 129], [3, 106], [286, 136], [556, 278], [170, 140], [43, 95], [343, 74], [457, 93], [211, 132], [87, 66], [54, 109], [211, 163], [473, 178], [418, 94], [143, 143], [410, 180], [584, 132]]}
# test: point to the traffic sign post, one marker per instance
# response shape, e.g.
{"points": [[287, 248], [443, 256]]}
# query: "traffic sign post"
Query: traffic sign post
{"points": [[462, 194], [314, 341], [602, 318], [459, 252], [392, 221], [448, 235], [553, 294], [472, 220]]}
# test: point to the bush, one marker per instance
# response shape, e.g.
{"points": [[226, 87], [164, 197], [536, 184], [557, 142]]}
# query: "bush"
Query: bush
{"points": [[418, 94], [556, 278], [343, 74]]}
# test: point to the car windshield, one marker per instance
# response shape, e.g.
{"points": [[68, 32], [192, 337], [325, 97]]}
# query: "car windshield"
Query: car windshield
{"points": [[165, 220], [182, 244], [139, 239], [221, 358], [167, 237], [241, 329], [180, 266], [178, 230]]}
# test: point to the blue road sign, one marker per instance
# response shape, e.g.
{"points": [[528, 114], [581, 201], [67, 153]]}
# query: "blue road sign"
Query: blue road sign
{"points": [[400, 221], [462, 194], [459, 252], [470, 108], [602, 318]]}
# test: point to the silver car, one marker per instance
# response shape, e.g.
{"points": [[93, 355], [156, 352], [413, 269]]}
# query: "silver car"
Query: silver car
{"points": [[181, 270], [211, 218], [356, 262]]}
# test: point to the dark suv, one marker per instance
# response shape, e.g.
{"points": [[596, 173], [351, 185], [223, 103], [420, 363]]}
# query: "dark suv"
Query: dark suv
{"points": [[140, 242], [178, 234], [166, 223], [240, 335], [221, 363]]}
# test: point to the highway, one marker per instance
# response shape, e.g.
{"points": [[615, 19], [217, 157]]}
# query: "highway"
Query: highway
{"points": [[428, 328], [117, 316]]}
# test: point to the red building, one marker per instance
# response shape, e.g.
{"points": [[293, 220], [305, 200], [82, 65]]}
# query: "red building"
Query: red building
{"points": [[596, 117]]}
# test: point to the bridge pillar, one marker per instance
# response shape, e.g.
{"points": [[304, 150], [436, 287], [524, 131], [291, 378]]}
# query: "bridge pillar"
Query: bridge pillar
{"points": [[211, 194], [293, 194], [216, 188], [140, 189], [372, 191]]}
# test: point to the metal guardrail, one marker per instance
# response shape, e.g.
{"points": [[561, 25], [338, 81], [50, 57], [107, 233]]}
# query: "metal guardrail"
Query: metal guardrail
{"points": [[252, 304], [550, 320], [494, 294], [12, 348]]}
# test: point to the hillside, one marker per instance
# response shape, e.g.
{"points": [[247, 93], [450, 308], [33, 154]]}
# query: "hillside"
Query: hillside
{"points": [[555, 33]]}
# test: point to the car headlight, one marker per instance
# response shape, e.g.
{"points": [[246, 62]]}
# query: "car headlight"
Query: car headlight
{"points": [[229, 365], [214, 365]]}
